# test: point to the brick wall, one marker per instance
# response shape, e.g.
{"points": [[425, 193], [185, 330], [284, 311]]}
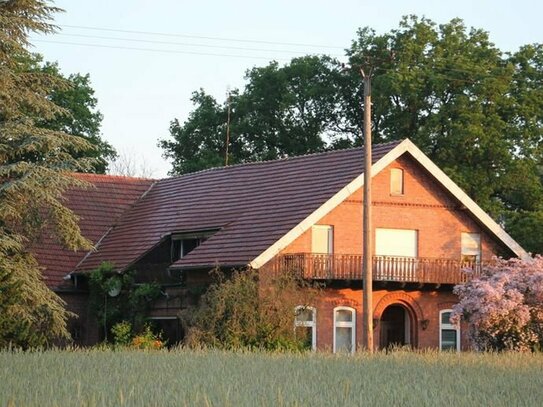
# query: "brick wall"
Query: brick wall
{"points": [[439, 219], [420, 305], [425, 207]]}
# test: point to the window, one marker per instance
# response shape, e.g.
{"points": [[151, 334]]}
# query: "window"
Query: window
{"points": [[322, 239], [183, 243], [396, 181], [449, 334], [471, 247], [396, 251], [305, 325], [344, 329]]}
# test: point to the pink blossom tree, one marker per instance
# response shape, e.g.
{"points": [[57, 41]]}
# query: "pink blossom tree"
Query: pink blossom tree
{"points": [[504, 306]]}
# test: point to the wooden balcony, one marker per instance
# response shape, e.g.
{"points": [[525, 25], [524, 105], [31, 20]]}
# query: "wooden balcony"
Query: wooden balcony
{"points": [[385, 268]]}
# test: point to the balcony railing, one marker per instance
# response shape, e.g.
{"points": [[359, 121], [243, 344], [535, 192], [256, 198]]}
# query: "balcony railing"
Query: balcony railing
{"points": [[385, 268]]}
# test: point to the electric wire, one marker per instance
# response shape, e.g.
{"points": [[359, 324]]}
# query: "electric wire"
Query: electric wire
{"points": [[184, 44], [166, 51], [292, 44]]}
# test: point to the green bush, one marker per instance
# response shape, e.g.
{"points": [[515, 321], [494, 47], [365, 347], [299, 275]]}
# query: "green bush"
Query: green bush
{"points": [[240, 310]]}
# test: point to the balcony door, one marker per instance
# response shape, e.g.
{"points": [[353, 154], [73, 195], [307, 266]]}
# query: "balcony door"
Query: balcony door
{"points": [[396, 251]]}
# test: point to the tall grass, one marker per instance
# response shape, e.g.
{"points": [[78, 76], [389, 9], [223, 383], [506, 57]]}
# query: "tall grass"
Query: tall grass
{"points": [[217, 378]]}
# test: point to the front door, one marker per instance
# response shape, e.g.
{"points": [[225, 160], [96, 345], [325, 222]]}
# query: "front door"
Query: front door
{"points": [[395, 327]]}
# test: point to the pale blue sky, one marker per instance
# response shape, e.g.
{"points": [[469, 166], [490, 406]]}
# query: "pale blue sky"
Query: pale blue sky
{"points": [[140, 92]]}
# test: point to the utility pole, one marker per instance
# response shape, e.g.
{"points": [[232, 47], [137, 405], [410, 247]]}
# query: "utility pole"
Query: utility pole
{"points": [[367, 278], [227, 131]]}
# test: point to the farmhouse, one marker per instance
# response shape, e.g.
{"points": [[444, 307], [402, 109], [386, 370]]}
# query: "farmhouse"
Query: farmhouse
{"points": [[301, 214]]}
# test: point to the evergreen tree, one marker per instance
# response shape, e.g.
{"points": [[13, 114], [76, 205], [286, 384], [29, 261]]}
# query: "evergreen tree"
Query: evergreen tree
{"points": [[36, 166]]}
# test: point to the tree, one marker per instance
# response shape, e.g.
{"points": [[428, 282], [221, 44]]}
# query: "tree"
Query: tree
{"points": [[80, 116], [36, 167], [283, 111], [504, 307], [128, 164], [474, 110]]}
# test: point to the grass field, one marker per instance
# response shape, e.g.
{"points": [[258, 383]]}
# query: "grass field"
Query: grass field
{"points": [[215, 378]]}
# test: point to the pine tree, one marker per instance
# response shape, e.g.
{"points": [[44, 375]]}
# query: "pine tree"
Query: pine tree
{"points": [[36, 167]]}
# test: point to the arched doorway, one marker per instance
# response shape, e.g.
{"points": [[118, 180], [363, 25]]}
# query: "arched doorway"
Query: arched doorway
{"points": [[395, 327]]}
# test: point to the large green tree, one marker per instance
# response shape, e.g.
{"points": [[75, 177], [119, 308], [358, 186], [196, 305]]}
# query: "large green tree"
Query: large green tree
{"points": [[80, 116], [475, 110], [36, 167]]}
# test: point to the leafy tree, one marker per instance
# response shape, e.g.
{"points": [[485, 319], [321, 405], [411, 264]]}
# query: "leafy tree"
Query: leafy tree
{"points": [[36, 165], [504, 307], [80, 116], [475, 110], [283, 111]]}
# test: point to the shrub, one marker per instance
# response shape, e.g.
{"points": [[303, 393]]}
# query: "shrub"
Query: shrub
{"points": [[504, 306], [122, 333], [147, 340], [239, 310]]}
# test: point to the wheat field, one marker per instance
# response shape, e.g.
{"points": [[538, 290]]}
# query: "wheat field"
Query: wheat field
{"points": [[219, 378]]}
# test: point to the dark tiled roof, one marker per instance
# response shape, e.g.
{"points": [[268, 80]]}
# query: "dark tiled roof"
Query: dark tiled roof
{"points": [[98, 208], [253, 205]]}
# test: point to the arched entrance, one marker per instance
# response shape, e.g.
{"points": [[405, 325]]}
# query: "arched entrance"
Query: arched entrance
{"points": [[395, 327]]}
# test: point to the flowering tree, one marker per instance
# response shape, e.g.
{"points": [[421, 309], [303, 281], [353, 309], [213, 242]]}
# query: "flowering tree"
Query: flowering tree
{"points": [[504, 306]]}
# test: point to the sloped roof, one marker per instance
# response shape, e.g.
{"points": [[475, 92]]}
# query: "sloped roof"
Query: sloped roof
{"points": [[251, 205], [98, 208]]}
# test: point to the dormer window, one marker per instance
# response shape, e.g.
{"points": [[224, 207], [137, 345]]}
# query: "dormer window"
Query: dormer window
{"points": [[184, 243], [396, 181]]}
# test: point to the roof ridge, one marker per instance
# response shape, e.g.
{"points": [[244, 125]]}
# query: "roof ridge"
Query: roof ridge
{"points": [[111, 176], [294, 157]]}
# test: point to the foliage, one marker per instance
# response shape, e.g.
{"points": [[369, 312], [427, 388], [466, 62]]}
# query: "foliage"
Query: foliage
{"points": [[131, 304], [36, 165], [80, 118], [475, 110], [218, 378], [241, 310], [504, 307], [147, 340], [122, 333]]}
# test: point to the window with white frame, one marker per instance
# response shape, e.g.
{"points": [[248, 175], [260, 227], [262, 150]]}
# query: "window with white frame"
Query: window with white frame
{"points": [[344, 329], [305, 325], [322, 239], [471, 247], [396, 181], [449, 334]]}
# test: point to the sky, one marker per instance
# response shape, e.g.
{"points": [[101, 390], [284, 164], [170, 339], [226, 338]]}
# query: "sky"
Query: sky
{"points": [[140, 91]]}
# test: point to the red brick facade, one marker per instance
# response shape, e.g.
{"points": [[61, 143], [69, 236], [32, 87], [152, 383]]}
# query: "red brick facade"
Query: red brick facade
{"points": [[439, 220]]}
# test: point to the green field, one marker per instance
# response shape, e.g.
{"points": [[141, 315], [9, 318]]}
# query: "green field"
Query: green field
{"points": [[215, 378]]}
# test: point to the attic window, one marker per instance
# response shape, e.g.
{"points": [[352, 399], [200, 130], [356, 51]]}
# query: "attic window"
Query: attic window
{"points": [[396, 181], [184, 243]]}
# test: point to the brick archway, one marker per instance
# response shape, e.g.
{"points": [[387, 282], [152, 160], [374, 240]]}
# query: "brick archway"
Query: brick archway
{"points": [[413, 309]]}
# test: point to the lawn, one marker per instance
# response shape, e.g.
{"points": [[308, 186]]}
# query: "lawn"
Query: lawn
{"points": [[215, 378]]}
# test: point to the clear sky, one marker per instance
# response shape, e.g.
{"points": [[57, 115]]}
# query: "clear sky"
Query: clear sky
{"points": [[140, 92]]}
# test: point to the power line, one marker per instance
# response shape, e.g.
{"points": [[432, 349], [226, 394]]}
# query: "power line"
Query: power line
{"points": [[185, 44], [293, 44], [165, 51]]}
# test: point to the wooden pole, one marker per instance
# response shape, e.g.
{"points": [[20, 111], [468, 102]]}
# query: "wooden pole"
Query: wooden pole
{"points": [[367, 292], [227, 132]]}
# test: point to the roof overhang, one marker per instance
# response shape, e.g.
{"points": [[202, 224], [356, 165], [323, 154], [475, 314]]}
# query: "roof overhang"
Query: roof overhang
{"points": [[405, 146]]}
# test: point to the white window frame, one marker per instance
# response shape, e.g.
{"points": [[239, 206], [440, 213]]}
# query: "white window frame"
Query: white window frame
{"points": [[443, 326], [346, 324], [469, 251], [399, 171], [330, 230], [307, 324]]}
